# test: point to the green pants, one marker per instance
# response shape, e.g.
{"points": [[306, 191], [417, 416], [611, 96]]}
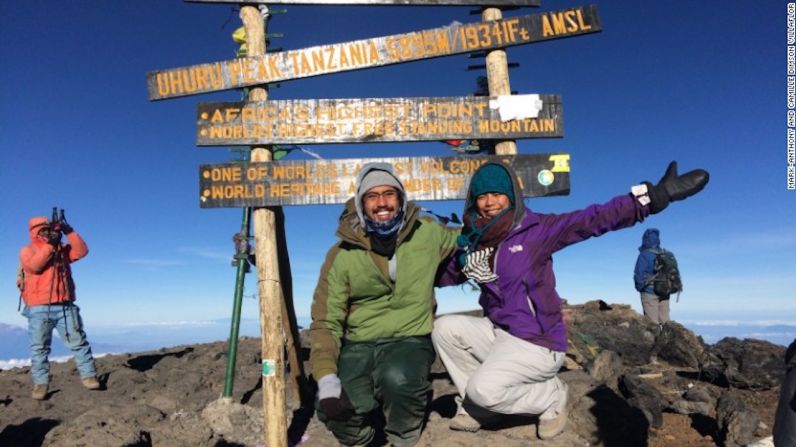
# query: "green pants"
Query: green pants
{"points": [[390, 375]]}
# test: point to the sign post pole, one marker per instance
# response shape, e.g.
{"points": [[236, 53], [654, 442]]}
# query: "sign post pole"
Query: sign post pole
{"points": [[234, 331], [268, 280], [497, 75]]}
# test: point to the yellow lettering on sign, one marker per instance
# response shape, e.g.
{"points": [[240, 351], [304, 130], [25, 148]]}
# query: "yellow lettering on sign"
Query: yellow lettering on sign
{"points": [[560, 162], [189, 80], [221, 192], [231, 113], [565, 22], [235, 69], [225, 174], [317, 60], [301, 113], [254, 173], [455, 183], [344, 59], [357, 54], [272, 63], [465, 166], [373, 53], [305, 64]]}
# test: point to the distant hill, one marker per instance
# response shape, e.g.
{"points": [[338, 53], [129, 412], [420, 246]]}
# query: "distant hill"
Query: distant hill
{"points": [[781, 334], [15, 344]]}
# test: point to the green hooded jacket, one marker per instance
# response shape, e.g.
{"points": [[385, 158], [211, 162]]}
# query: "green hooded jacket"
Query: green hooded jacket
{"points": [[355, 298]]}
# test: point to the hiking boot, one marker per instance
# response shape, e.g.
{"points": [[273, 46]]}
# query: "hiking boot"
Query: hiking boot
{"points": [[550, 428], [40, 391], [91, 383], [464, 422]]}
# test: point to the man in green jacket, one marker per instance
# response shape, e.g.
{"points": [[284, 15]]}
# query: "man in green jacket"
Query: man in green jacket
{"points": [[372, 313]]}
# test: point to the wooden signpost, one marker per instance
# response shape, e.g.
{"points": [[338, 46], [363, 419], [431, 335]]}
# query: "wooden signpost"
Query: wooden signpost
{"points": [[324, 182], [384, 2], [373, 120], [497, 73], [324, 59]]}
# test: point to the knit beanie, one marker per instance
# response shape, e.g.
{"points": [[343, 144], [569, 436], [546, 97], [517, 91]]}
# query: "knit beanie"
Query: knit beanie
{"points": [[373, 175], [492, 178]]}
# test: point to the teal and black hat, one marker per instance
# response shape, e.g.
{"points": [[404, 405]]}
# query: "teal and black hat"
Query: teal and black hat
{"points": [[492, 178]]}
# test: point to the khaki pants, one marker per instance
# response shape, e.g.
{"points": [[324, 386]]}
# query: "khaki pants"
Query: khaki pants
{"points": [[655, 308], [496, 371]]}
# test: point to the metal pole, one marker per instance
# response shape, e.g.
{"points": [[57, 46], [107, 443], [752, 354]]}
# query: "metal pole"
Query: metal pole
{"points": [[242, 257]]}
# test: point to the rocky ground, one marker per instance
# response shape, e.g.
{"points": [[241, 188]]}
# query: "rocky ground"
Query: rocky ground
{"points": [[628, 388]]}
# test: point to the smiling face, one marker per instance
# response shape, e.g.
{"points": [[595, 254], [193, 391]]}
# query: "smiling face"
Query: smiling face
{"points": [[381, 203], [491, 204]]}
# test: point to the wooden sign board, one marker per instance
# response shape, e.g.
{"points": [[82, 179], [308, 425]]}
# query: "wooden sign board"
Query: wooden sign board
{"points": [[324, 182], [333, 58], [382, 2], [318, 121]]}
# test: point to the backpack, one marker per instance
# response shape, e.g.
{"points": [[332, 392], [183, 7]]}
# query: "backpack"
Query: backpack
{"points": [[666, 279]]}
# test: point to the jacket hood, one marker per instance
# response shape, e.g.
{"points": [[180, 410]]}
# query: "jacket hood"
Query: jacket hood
{"points": [[351, 228], [651, 239], [387, 177], [519, 204], [35, 224]]}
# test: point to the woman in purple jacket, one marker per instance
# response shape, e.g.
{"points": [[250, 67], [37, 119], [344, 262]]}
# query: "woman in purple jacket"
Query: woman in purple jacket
{"points": [[507, 361]]}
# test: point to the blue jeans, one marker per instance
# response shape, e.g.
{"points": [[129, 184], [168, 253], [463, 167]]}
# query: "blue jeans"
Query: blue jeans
{"points": [[66, 319]]}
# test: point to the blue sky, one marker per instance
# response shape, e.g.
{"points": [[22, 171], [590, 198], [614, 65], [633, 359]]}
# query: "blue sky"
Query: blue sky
{"points": [[701, 82]]}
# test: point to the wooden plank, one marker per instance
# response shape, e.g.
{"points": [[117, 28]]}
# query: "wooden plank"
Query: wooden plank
{"points": [[366, 53], [324, 182], [382, 2], [318, 121]]}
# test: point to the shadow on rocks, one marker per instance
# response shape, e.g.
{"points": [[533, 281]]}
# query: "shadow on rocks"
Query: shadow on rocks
{"points": [[223, 443], [704, 425], [29, 433], [298, 425], [247, 396], [618, 424], [146, 362], [445, 406]]}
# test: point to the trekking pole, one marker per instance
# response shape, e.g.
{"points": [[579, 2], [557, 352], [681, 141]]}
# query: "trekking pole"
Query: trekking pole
{"points": [[242, 258]]}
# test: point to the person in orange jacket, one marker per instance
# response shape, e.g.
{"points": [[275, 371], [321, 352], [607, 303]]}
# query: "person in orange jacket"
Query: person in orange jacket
{"points": [[49, 295]]}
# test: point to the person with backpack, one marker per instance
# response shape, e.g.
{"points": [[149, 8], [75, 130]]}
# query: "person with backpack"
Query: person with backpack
{"points": [[507, 362], [48, 292], [656, 277]]}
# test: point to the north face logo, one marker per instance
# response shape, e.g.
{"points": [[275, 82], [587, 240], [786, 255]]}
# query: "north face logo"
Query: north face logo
{"points": [[515, 248]]}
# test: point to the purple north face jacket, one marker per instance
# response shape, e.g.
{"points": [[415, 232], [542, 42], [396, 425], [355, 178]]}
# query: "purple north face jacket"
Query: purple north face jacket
{"points": [[523, 300]]}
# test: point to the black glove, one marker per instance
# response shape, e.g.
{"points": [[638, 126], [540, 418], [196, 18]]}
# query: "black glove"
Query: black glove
{"points": [[66, 228], [673, 187], [337, 409]]}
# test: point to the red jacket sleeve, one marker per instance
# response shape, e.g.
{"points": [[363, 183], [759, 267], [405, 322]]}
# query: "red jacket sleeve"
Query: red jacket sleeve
{"points": [[77, 247], [34, 257]]}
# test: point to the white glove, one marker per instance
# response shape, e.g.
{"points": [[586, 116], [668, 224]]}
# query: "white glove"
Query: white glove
{"points": [[329, 387], [477, 266]]}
